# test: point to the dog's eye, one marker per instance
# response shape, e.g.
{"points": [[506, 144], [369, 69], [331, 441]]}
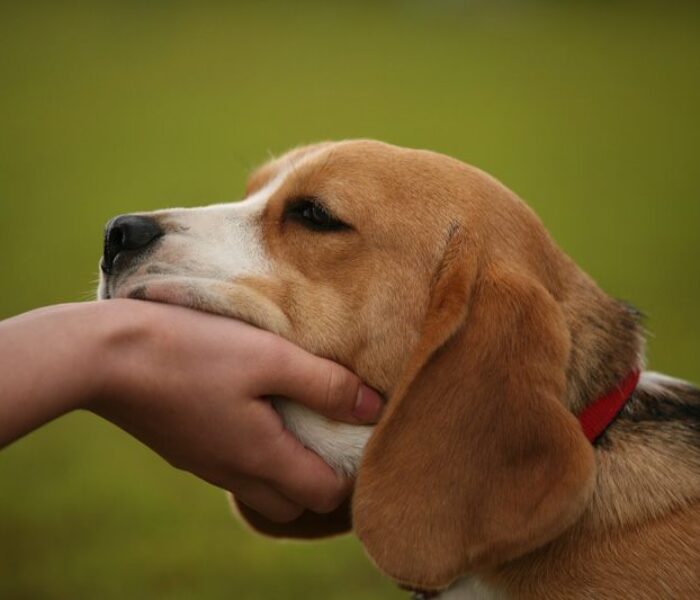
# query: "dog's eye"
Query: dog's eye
{"points": [[317, 215], [310, 213]]}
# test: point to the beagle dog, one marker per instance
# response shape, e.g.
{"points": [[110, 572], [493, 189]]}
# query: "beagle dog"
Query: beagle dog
{"points": [[523, 451]]}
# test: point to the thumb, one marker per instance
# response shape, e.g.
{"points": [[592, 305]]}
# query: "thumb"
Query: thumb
{"points": [[325, 387]]}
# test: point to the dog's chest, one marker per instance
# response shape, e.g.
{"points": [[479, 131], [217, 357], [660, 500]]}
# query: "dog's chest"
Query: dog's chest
{"points": [[471, 588], [338, 444]]}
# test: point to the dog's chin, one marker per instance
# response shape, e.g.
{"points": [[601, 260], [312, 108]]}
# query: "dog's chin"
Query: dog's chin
{"points": [[192, 293], [228, 299], [166, 292]]}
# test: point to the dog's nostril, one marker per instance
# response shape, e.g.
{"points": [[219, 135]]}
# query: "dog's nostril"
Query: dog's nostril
{"points": [[128, 232]]}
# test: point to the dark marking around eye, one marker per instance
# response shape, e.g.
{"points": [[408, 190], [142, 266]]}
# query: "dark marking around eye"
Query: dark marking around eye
{"points": [[312, 214]]}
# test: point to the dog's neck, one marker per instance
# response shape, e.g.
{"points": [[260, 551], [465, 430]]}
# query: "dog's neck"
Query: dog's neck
{"points": [[647, 480], [646, 460], [637, 452], [607, 342]]}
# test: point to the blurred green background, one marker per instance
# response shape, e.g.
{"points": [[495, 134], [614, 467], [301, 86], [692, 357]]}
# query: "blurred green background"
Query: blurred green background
{"points": [[589, 110]]}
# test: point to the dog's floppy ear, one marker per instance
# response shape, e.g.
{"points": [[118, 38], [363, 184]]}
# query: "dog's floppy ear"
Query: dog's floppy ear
{"points": [[476, 459], [309, 525]]}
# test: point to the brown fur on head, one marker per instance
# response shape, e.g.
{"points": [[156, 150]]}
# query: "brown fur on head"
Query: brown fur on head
{"points": [[444, 291]]}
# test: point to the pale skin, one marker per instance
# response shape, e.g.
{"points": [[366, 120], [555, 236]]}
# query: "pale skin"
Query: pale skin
{"points": [[189, 385]]}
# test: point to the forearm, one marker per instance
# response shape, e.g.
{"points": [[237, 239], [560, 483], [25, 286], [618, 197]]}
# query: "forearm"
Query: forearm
{"points": [[48, 361], [189, 385]]}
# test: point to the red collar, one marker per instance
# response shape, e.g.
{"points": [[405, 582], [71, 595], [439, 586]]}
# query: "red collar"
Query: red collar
{"points": [[597, 417]]}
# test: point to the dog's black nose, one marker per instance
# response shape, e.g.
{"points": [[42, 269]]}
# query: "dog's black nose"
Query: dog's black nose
{"points": [[128, 233]]}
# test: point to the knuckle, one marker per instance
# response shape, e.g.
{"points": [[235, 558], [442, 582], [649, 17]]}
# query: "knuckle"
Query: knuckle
{"points": [[339, 394], [277, 354], [275, 347]]}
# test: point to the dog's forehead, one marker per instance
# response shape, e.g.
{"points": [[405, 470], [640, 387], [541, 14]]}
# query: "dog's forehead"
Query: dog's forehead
{"points": [[279, 166], [316, 163]]}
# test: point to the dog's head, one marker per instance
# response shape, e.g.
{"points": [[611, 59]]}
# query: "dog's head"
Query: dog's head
{"points": [[438, 287]]}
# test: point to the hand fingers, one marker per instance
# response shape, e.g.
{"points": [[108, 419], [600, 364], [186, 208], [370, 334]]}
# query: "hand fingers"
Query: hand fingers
{"points": [[279, 460], [267, 501], [302, 476], [323, 386]]}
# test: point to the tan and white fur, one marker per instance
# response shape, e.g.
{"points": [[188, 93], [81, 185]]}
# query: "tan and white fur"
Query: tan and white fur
{"points": [[442, 290]]}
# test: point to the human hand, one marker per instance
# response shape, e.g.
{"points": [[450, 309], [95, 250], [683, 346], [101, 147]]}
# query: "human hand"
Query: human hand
{"points": [[192, 387]]}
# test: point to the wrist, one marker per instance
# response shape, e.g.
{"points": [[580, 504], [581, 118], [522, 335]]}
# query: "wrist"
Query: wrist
{"points": [[88, 343], [117, 349], [77, 335]]}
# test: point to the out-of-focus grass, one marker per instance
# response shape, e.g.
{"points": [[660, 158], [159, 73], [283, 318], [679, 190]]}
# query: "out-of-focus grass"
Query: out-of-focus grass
{"points": [[588, 110]]}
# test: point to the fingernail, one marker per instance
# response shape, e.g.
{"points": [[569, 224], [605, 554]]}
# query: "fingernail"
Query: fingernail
{"points": [[368, 406]]}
